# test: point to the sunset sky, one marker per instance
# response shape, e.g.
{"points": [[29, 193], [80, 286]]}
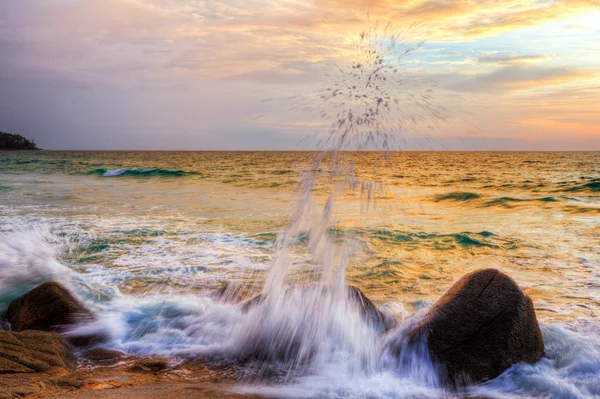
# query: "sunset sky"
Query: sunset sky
{"points": [[195, 74]]}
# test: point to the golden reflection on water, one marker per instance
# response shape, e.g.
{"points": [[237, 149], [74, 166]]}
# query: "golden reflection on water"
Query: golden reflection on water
{"points": [[435, 217]]}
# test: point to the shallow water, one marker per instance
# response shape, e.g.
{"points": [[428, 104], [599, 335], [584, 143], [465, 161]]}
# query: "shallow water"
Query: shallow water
{"points": [[150, 240]]}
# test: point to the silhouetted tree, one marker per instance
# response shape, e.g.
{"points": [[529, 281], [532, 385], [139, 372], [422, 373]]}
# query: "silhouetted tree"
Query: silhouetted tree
{"points": [[10, 141]]}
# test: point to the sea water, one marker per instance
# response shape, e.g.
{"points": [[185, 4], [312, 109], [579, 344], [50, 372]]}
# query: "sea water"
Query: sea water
{"points": [[152, 241]]}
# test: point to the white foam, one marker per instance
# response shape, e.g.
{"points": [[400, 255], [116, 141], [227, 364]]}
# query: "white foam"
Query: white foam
{"points": [[115, 172], [339, 355], [28, 259]]}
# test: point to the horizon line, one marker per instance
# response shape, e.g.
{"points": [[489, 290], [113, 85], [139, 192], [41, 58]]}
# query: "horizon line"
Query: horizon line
{"points": [[266, 150]]}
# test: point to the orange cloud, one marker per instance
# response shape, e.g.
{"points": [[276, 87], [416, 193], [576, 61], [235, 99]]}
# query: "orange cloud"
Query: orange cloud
{"points": [[564, 127], [174, 43]]}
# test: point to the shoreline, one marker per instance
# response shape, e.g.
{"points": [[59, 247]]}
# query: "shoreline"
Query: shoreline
{"points": [[128, 378]]}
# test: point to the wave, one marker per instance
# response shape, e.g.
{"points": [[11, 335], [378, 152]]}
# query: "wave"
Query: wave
{"points": [[506, 202], [509, 202], [548, 199], [28, 161], [125, 172], [345, 359], [466, 240], [282, 172], [457, 196], [28, 259], [592, 185], [574, 209]]}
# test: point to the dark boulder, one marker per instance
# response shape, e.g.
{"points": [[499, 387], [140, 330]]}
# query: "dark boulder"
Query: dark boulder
{"points": [[33, 351], [48, 307], [483, 325]]}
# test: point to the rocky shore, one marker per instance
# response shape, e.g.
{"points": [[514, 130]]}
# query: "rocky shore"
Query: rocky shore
{"points": [[36, 361], [477, 330], [115, 375]]}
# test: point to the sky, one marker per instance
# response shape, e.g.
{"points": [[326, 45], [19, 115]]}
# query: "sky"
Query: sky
{"points": [[220, 75]]}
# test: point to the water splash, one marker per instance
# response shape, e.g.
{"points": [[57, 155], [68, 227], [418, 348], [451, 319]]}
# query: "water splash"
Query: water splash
{"points": [[303, 324], [28, 259]]}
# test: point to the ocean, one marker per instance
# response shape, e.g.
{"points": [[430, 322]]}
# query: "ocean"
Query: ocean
{"points": [[151, 240]]}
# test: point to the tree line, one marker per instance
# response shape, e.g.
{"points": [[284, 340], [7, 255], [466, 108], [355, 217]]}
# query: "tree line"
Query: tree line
{"points": [[10, 141]]}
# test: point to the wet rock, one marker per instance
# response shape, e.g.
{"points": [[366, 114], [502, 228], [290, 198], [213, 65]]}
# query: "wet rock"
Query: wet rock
{"points": [[252, 302], [33, 351], [104, 357], [102, 386], [282, 333], [48, 307], [150, 365], [83, 340], [74, 380], [483, 325], [367, 309]]}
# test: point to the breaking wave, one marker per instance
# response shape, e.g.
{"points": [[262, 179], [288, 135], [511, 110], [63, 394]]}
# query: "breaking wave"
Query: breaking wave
{"points": [[299, 349], [125, 172]]}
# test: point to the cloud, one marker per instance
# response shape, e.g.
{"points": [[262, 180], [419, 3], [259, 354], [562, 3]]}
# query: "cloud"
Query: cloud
{"points": [[433, 8], [191, 63], [521, 77], [509, 58], [453, 53], [487, 18]]}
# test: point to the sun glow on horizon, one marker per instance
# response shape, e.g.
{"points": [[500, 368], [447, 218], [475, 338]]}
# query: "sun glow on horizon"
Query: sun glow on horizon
{"points": [[118, 69]]}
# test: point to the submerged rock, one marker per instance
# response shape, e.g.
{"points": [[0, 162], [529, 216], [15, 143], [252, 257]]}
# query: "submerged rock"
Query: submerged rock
{"points": [[286, 332], [483, 325], [33, 351], [366, 307], [48, 307]]}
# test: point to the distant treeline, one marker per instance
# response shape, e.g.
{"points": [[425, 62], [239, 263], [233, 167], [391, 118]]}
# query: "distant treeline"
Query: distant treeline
{"points": [[10, 141]]}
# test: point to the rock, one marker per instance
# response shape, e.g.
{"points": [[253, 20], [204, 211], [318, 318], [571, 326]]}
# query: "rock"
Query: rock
{"points": [[33, 351], [283, 331], [74, 380], [483, 325], [104, 357], [367, 309], [48, 307], [150, 365], [86, 339], [102, 386], [4, 325], [252, 302]]}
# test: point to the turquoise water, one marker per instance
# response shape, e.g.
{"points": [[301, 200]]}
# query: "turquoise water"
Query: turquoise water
{"points": [[150, 239]]}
